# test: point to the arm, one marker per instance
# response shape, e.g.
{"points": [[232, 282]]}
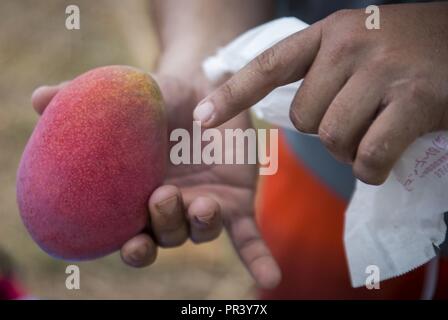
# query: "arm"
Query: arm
{"points": [[191, 30], [194, 200], [188, 32], [367, 93]]}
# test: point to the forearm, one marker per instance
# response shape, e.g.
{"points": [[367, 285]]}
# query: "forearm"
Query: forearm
{"points": [[190, 30]]}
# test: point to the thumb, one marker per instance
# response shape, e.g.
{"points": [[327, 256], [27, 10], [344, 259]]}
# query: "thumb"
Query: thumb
{"points": [[42, 96]]}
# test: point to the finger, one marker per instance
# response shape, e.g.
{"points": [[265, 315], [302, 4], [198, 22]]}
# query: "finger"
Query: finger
{"points": [[168, 220], [253, 252], [351, 113], [322, 83], [396, 127], [243, 232], [285, 62], [139, 251], [205, 219], [42, 96]]}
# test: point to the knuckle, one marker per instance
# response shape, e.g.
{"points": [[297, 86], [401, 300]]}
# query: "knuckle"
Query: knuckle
{"points": [[418, 91], [341, 47], [342, 34], [340, 14], [329, 137], [336, 19], [335, 143], [416, 96], [371, 158], [267, 62], [228, 91], [347, 19], [405, 91], [382, 60]]}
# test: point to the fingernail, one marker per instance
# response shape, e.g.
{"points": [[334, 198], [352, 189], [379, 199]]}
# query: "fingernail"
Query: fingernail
{"points": [[168, 206], [205, 220], [204, 111]]}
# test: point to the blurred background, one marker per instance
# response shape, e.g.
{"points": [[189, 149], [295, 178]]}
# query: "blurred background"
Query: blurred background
{"points": [[35, 49]]}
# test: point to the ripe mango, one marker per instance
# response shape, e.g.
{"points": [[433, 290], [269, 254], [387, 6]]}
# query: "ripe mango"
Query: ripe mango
{"points": [[93, 160]]}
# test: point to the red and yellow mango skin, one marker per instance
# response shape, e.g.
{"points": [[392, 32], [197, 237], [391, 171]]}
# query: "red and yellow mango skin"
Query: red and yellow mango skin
{"points": [[96, 155]]}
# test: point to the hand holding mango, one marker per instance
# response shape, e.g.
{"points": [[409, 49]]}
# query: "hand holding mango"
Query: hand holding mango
{"points": [[187, 202]]}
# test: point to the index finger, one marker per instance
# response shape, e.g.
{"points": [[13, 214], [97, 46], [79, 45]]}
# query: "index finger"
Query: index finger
{"points": [[283, 63]]}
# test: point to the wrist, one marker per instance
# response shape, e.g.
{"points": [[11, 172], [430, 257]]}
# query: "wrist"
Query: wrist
{"points": [[176, 64], [185, 63], [183, 56], [185, 68]]}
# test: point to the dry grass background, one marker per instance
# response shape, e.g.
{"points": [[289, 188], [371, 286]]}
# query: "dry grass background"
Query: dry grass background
{"points": [[35, 48]]}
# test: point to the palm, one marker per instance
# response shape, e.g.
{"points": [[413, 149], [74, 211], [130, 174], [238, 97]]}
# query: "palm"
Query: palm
{"points": [[222, 182], [232, 186]]}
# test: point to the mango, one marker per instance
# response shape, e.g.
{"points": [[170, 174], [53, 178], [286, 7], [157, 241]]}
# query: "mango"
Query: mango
{"points": [[94, 158]]}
